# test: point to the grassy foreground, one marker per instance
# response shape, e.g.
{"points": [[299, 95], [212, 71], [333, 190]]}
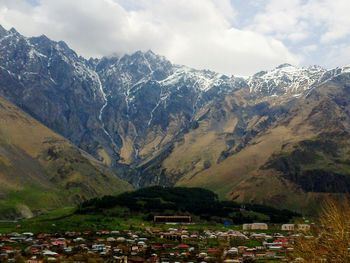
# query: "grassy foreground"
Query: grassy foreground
{"points": [[66, 219], [135, 211]]}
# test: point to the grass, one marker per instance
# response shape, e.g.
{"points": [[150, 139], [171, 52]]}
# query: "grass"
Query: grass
{"points": [[118, 218], [40, 170], [33, 196], [66, 219]]}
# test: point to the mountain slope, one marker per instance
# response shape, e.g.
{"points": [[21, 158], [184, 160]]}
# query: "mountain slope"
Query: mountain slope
{"points": [[298, 159], [41, 170], [151, 101], [120, 110], [278, 137], [52, 83]]}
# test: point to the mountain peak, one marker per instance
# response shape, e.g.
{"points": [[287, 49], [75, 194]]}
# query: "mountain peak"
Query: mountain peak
{"points": [[284, 65], [44, 37], [13, 31], [147, 55], [285, 78], [41, 40], [63, 45], [3, 31], [2, 28], [150, 52]]}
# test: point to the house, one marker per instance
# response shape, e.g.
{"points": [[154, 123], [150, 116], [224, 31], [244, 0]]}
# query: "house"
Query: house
{"points": [[303, 227], [49, 253], [259, 226], [255, 226], [121, 239], [60, 242], [288, 227], [98, 247], [247, 226], [233, 251], [242, 249], [171, 236], [282, 241], [136, 259], [236, 235], [183, 246]]}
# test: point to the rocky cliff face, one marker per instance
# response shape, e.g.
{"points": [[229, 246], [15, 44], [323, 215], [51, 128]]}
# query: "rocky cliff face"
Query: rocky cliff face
{"points": [[150, 101], [49, 81], [160, 123], [119, 109]]}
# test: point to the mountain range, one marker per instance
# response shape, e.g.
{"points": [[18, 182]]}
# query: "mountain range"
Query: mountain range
{"points": [[279, 137]]}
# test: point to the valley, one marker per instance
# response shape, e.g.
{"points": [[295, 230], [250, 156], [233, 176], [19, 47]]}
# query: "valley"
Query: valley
{"points": [[122, 228], [278, 137]]}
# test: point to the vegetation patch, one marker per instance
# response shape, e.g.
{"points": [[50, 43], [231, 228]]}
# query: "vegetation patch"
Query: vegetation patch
{"points": [[320, 165], [200, 203]]}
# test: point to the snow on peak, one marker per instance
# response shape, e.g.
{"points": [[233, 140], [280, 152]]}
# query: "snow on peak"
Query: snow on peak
{"points": [[341, 70], [330, 74], [285, 65], [346, 68], [285, 78], [200, 79]]}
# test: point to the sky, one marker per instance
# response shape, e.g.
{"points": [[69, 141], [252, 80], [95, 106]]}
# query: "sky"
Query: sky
{"points": [[235, 37]]}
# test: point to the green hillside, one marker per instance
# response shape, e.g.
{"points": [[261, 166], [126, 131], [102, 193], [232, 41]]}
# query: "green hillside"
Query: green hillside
{"points": [[40, 170]]}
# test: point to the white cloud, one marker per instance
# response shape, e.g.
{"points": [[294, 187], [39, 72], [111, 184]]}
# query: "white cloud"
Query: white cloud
{"points": [[191, 32], [338, 56], [309, 48], [282, 19], [334, 17], [317, 30], [298, 20]]}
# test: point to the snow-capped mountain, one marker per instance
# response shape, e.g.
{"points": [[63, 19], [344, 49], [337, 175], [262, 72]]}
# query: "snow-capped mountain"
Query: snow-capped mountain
{"points": [[35, 52], [134, 110], [285, 79], [108, 102], [52, 83], [203, 80], [333, 73], [151, 101]]}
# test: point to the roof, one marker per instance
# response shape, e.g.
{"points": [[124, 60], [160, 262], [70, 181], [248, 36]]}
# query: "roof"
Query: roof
{"points": [[183, 246]]}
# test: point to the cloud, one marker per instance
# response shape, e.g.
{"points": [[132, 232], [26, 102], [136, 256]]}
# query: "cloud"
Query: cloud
{"points": [[317, 30], [196, 33], [334, 17], [286, 20], [328, 19], [338, 56]]}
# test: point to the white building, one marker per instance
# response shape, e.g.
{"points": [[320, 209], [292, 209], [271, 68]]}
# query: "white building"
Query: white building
{"points": [[288, 227], [303, 227], [255, 226]]}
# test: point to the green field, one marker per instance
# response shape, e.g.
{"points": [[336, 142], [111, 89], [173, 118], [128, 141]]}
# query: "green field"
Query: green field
{"points": [[135, 210], [65, 219]]}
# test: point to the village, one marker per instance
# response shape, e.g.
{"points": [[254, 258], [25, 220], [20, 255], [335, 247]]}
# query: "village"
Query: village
{"points": [[168, 242]]}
